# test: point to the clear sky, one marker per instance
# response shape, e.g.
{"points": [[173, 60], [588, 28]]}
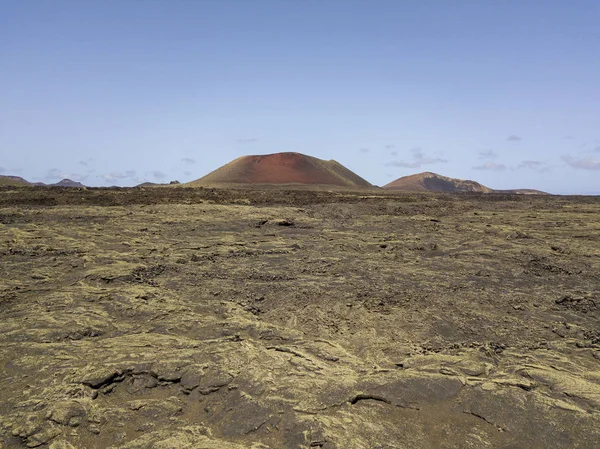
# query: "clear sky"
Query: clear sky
{"points": [[118, 92]]}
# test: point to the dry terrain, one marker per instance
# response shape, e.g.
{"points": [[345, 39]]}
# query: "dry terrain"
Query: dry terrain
{"points": [[229, 319]]}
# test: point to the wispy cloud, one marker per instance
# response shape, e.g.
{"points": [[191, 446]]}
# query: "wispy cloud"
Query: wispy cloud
{"points": [[487, 154], [364, 150], [394, 153], [597, 149], [247, 140], [514, 138], [2, 170], [158, 175], [530, 164], [491, 166], [538, 166], [119, 176], [418, 160], [586, 163], [401, 164], [55, 174], [390, 146], [86, 162], [187, 173], [188, 160]]}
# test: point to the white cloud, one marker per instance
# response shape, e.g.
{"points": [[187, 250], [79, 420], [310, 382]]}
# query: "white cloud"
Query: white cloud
{"points": [[530, 164], [586, 163], [419, 159], [55, 174], [492, 166], [119, 176], [487, 154], [538, 166]]}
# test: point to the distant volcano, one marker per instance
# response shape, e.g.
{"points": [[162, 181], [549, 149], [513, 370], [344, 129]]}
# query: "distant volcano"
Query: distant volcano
{"points": [[68, 183], [15, 181], [432, 182], [282, 168], [6, 180]]}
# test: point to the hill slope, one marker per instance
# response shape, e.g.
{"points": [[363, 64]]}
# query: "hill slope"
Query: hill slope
{"points": [[6, 180], [282, 168], [432, 182], [67, 183]]}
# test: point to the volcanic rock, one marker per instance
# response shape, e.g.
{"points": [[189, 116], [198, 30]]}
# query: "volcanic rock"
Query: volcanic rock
{"points": [[282, 168], [432, 182]]}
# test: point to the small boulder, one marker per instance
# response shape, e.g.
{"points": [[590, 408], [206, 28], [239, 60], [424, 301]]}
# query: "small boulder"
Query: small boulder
{"points": [[68, 413]]}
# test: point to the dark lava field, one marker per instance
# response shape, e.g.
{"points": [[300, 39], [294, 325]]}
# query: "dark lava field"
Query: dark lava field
{"points": [[173, 318]]}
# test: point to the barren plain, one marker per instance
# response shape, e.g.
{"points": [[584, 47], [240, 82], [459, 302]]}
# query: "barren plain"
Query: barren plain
{"points": [[205, 318]]}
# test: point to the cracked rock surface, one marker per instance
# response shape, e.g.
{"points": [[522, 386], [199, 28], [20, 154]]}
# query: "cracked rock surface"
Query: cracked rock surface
{"points": [[193, 318]]}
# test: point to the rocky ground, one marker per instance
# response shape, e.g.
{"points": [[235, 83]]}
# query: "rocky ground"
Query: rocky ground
{"points": [[179, 318]]}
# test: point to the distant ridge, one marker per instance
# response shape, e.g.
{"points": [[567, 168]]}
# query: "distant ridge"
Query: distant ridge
{"points": [[282, 168], [523, 191], [67, 183], [6, 180], [156, 184], [17, 181], [432, 182]]}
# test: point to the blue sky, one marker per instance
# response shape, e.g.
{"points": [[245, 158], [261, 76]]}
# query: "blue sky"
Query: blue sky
{"points": [[118, 92]]}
